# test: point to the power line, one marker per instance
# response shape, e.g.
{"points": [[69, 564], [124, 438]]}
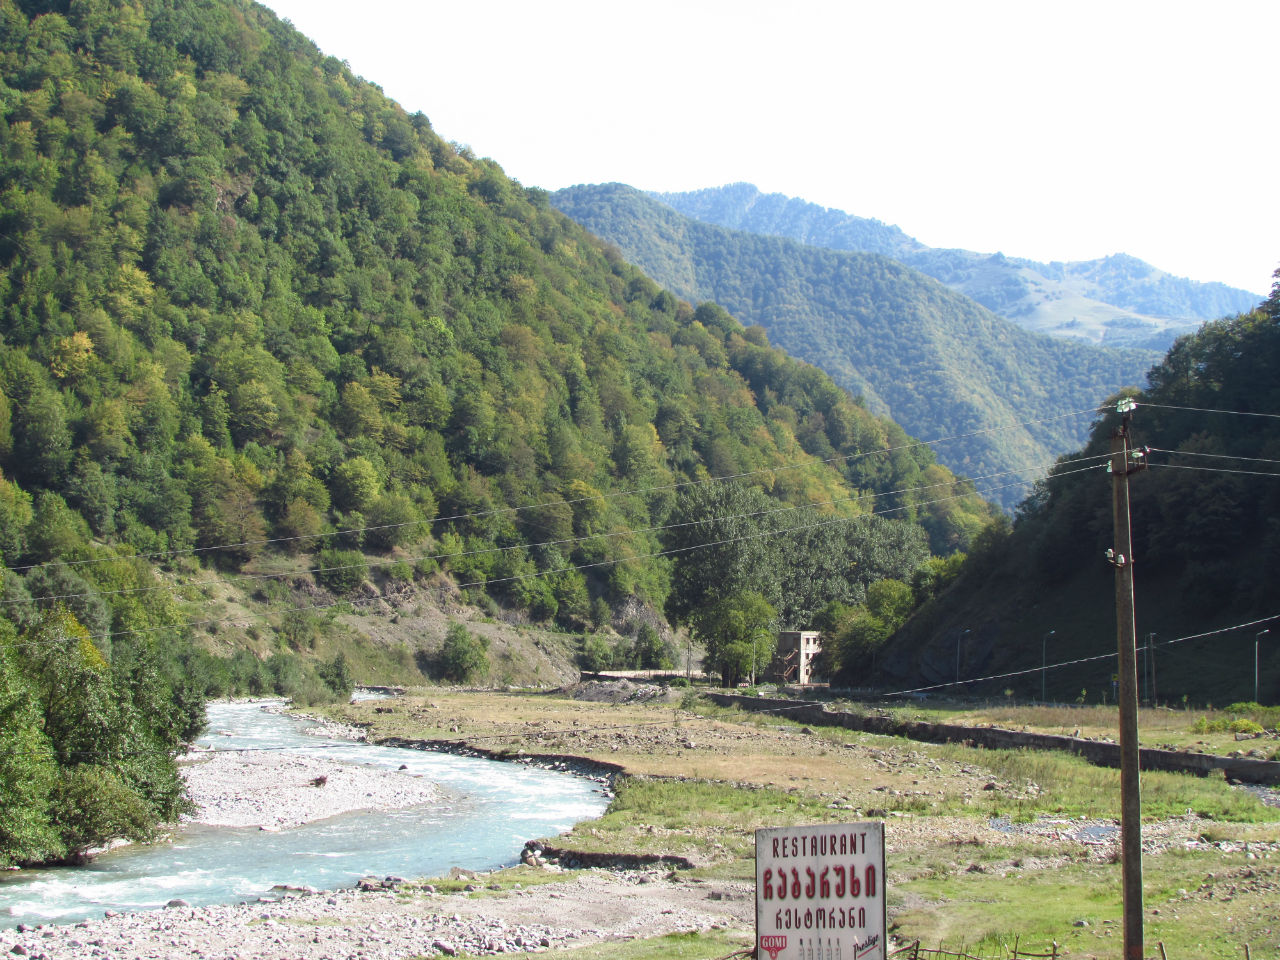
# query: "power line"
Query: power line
{"points": [[637, 491], [1218, 456], [479, 551], [251, 616], [245, 578], [1093, 659], [1244, 473], [1233, 413], [728, 540]]}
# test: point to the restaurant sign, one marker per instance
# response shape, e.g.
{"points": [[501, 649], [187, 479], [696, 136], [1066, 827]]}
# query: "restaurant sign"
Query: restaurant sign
{"points": [[820, 892]]}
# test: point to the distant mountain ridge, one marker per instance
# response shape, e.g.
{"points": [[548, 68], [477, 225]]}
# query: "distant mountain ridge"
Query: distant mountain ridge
{"points": [[1117, 300], [933, 359]]}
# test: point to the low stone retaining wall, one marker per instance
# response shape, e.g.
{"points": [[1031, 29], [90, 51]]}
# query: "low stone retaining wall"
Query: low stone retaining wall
{"points": [[572, 859], [1102, 753], [599, 770]]}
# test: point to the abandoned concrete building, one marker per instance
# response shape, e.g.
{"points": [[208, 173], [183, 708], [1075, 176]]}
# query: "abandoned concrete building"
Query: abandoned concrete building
{"points": [[793, 661]]}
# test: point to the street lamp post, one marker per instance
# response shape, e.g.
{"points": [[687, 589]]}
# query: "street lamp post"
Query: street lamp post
{"points": [[1256, 637], [1044, 663]]}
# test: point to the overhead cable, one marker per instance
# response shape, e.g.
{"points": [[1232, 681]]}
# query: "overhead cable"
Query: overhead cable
{"points": [[637, 491]]}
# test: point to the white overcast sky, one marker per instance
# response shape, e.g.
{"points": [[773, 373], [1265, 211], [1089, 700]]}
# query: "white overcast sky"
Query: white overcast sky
{"points": [[1050, 130]]}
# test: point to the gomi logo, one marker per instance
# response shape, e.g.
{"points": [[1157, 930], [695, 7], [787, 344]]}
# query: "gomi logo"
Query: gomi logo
{"points": [[774, 944]]}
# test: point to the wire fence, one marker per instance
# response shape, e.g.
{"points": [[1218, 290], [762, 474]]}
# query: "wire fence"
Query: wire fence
{"points": [[915, 951]]}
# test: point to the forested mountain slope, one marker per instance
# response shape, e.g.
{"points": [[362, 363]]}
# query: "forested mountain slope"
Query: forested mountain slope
{"points": [[935, 361], [1117, 300], [1206, 545], [280, 367]]}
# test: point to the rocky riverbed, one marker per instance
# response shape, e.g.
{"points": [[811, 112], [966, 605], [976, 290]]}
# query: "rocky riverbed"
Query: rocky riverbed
{"points": [[394, 920], [382, 918], [275, 790]]}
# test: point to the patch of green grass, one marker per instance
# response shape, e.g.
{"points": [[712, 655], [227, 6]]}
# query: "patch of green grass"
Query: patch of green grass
{"points": [[717, 803], [495, 883], [742, 868], [1240, 833], [1066, 785], [1207, 730], [705, 821], [695, 945], [1070, 786], [974, 908], [996, 943], [1268, 717], [677, 803]]}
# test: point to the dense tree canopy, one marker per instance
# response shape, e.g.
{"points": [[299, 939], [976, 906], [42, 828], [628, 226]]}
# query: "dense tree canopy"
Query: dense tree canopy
{"points": [[256, 316]]}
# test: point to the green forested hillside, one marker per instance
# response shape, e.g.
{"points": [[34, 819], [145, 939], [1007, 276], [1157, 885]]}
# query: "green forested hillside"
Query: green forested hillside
{"points": [[1206, 533], [935, 361], [273, 352]]}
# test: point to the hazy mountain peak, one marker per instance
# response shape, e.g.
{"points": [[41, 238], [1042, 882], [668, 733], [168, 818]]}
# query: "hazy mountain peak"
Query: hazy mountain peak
{"points": [[1117, 300], [928, 356]]}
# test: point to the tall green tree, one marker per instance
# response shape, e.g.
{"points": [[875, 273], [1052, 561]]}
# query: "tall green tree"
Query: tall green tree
{"points": [[721, 545], [28, 769], [740, 635]]}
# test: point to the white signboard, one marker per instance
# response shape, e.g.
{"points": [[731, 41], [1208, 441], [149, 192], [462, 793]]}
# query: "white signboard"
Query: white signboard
{"points": [[820, 892]]}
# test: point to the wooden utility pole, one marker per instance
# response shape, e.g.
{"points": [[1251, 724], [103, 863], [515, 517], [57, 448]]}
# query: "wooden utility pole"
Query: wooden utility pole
{"points": [[1122, 464]]}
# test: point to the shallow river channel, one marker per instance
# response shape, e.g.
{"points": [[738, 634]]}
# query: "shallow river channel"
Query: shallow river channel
{"points": [[489, 810]]}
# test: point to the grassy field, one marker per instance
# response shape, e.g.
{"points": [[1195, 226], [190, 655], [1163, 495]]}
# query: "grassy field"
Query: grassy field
{"points": [[686, 946], [1207, 730], [984, 847]]}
